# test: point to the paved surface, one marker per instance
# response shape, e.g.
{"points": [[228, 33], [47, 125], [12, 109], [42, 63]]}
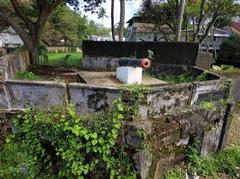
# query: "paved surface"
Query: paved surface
{"points": [[109, 79]]}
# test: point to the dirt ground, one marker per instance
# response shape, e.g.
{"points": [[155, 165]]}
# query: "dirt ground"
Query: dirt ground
{"points": [[234, 136]]}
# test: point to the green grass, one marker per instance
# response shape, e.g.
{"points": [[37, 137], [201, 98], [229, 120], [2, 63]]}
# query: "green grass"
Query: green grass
{"points": [[65, 59]]}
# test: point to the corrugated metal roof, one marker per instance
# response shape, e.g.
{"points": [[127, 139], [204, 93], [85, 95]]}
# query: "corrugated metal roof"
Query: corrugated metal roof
{"points": [[10, 39]]}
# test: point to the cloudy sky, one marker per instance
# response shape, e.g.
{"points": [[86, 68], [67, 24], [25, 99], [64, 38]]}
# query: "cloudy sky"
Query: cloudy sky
{"points": [[131, 8]]}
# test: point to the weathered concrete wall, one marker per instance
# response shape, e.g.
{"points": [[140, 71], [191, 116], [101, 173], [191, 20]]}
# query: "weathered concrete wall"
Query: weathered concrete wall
{"points": [[169, 115], [31, 94], [204, 60], [166, 100], [3, 99], [168, 136], [90, 98], [12, 63]]}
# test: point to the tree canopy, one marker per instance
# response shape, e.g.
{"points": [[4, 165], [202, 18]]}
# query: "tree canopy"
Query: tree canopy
{"points": [[28, 18], [200, 15]]}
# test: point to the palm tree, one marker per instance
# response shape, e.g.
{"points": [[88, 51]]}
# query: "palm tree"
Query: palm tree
{"points": [[122, 19], [102, 14]]}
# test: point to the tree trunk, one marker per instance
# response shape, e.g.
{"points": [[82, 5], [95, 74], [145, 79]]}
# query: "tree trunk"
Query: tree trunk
{"points": [[34, 55], [122, 19], [180, 19], [112, 20], [200, 19], [29, 31], [187, 35]]}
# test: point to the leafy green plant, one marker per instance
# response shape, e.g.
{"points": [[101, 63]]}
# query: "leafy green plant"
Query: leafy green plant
{"points": [[150, 55], [132, 97], [206, 105], [26, 75], [202, 77], [62, 144], [43, 56], [176, 173], [174, 79]]}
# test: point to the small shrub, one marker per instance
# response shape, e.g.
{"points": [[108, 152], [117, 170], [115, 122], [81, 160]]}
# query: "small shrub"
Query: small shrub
{"points": [[173, 79], [26, 75], [206, 105], [176, 173], [202, 77]]}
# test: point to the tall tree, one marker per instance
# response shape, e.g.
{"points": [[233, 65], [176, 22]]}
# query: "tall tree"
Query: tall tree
{"points": [[28, 19], [59, 27], [122, 19], [112, 20], [102, 14], [207, 14]]}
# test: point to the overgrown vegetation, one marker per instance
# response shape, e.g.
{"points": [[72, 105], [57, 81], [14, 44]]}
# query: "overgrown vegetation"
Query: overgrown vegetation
{"points": [[26, 75], [224, 162], [48, 144], [206, 105], [59, 143], [226, 70], [183, 78]]}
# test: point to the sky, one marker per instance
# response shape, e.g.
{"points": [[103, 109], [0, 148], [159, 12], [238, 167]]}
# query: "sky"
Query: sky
{"points": [[131, 8]]}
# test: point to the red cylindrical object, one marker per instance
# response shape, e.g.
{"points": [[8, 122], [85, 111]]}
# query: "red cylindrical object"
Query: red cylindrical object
{"points": [[145, 63]]}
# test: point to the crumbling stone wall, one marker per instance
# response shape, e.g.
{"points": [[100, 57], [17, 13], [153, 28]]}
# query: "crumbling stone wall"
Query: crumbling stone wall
{"points": [[170, 115], [12, 63]]}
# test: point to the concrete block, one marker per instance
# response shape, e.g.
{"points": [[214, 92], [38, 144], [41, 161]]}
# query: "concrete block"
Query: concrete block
{"points": [[129, 75]]}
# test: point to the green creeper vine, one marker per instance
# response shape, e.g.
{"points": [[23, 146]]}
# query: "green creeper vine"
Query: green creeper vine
{"points": [[59, 143], [133, 97], [62, 144]]}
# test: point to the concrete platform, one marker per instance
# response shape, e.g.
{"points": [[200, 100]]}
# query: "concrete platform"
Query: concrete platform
{"points": [[109, 79]]}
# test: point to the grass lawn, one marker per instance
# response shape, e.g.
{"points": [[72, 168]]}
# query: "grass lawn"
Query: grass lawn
{"points": [[66, 59]]}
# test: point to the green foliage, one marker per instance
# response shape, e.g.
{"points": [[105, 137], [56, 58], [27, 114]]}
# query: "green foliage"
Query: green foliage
{"points": [[206, 105], [164, 13], [150, 54], [230, 49], [26, 75], [176, 173], [61, 144], [174, 79], [224, 162], [43, 57], [183, 78], [202, 77], [60, 27], [133, 97], [226, 70], [11, 161]]}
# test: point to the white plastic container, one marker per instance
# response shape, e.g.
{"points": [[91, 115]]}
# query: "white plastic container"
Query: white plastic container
{"points": [[129, 75]]}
